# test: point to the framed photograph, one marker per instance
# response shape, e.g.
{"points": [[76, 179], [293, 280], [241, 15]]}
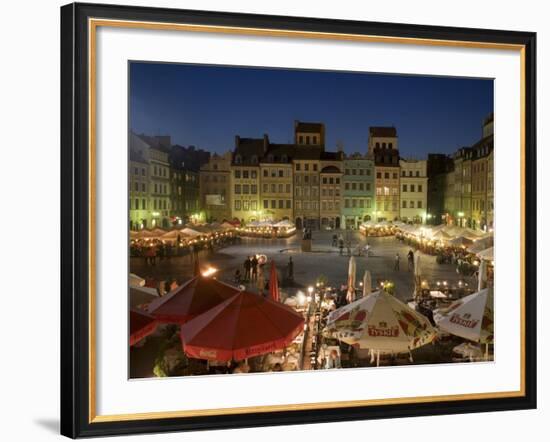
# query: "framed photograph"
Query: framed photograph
{"points": [[281, 220]]}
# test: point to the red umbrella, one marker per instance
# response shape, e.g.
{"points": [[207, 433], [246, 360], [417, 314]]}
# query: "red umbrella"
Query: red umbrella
{"points": [[243, 326], [141, 325], [196, 296], [274, 283]]}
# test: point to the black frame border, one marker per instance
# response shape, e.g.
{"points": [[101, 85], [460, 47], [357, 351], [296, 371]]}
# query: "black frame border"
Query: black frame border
{"points": [[75, 220]]}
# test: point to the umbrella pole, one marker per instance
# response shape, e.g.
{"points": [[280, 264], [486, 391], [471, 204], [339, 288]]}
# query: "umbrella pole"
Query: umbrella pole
{"points": [[411, 357], [378, 358], [486, 351]]}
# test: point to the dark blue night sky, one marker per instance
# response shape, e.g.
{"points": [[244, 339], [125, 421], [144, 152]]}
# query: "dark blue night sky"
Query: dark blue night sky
{"points": [[207, 106]]}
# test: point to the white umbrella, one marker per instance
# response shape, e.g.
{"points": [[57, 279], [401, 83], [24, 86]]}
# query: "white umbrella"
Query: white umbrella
{"points": [[190, 232], [352, 268], [382, 323], [135, 280], [482, 275], [470, 317], [486, 255], [367, 283], [481, 244]]}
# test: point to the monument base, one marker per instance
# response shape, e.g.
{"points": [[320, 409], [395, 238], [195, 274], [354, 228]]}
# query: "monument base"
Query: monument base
{"points": [[306, 245]]}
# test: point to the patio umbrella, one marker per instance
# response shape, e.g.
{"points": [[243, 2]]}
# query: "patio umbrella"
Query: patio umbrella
{"points": [[460, 241], [273, 283], [141, 325], [470, 317], [242, 326], [190, 232], [352, 268], [140, 296], [191, 299], [382, 323], [157, 233], [144, 234], [367, 283], [135, 280], [481, 244], [486, 255]]}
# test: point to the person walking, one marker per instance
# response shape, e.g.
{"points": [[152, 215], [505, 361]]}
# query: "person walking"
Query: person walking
{"points": [[341, 245], [247, 268], [290, 269], [335, 240], [254, 265], [396, 265], [410, 259]]}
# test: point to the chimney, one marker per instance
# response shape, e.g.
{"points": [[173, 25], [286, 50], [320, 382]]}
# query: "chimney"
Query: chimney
{"points": [[237, 141], [266, 143]]}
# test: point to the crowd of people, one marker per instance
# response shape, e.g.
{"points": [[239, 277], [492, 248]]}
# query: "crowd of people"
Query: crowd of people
{"points": [[155, 249]]}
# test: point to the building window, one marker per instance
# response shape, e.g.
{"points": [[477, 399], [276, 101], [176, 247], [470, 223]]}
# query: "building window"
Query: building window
{"points": [[368, 186], [245, 174], [288, 188], [361, 204], [297, 166], [331, 180], [265, 173], [412, 187], [288, 204], [324, 180], [367, 203], [254, 205], [386, 191], [368, 172], [246, 189], [237, 173], [377, 145], [395, 175], [394, 191], [346, 203], [273, 188], [301, 139], [354, 171], [306, 167], [417, 173], [386, 175], [237, 188], [265, 187], [419, 204], [246, 205], [378, 175], [298, 205], [361, 186], [361, 171], [281, 204], [253, 189], [390, 145], [307, 139], [379, 191], [143, 204], [403, 173], [420, 187]]}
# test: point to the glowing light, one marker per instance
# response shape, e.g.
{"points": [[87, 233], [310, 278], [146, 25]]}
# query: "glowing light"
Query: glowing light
{"points": [[310, 290], [209, 271]]}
